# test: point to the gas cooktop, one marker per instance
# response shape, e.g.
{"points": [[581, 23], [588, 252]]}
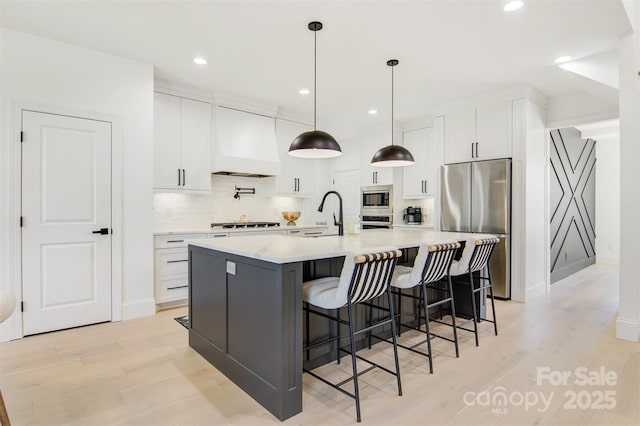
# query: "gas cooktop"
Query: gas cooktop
{"points": [[245, 225]]}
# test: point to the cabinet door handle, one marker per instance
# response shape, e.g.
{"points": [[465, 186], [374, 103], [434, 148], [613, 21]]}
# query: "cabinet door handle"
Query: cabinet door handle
{"points": [[177, 261], [426, 187], [179, 178], [184, 178], [297, 184], [177, 287], [175, 241], [477, 150]]}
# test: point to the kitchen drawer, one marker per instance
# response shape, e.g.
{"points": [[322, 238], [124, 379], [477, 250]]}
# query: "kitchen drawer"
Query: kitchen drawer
{"points": [[169, 289], [312, 232], [218, 235], [176, 240], [172, 261], [270, 231]]}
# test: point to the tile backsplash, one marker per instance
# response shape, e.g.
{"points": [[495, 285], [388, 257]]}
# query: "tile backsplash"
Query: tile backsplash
{"points": [[427, 205], [198, 211]]}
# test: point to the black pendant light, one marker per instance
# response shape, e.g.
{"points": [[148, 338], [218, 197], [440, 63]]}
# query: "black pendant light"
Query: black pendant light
{"points": [[315, 143], [392, 155]]}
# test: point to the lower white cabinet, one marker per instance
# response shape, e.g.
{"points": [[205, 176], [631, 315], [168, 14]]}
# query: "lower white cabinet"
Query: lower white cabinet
{"points": [[308, 232], [172, 268], [172, 259]]}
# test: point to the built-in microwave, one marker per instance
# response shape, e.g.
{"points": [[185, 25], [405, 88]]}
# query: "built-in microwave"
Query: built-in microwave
{"points": [[377, 200]]}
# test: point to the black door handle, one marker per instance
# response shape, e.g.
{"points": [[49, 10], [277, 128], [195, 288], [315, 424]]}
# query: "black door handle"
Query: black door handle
{"points": [[102, 231]]}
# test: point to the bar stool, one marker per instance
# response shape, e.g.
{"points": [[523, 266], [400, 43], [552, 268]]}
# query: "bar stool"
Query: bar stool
{"points": [[430, 271], [478, 252], [364, 277]]}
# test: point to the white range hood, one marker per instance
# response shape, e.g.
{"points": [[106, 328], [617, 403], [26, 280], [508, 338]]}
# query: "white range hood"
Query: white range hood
{"points": [[245, 144]]}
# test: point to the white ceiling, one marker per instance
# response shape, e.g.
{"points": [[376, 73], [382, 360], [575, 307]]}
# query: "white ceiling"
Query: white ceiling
{"points": [[448, 50]]}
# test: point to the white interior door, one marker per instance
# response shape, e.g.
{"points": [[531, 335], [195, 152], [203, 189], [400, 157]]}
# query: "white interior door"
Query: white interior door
{"points": [[66, 198]]}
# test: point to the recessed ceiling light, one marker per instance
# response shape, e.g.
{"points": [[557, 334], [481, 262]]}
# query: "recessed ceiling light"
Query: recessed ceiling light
{"points": [[304, 91], [513, 5], [562, 59], [373, 111], [200, 61]]}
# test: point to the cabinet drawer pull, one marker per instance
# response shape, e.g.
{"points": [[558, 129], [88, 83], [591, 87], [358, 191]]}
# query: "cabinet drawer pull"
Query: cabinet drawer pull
{"points": [[177, 261], [177, 287], [219, 236], [175, 241], [313, 233]]}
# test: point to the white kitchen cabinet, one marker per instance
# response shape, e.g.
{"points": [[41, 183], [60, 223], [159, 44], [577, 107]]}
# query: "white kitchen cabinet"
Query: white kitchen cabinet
{"points": [[171, 268], [298, 174], [372, 175], [182, 144], [420, 178], [482, 132], [308, 232]]}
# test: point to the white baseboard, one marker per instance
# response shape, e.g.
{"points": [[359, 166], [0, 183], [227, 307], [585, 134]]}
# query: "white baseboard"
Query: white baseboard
{"points": [[608, 260], [627, 329], [536, 290], [138, 308]]}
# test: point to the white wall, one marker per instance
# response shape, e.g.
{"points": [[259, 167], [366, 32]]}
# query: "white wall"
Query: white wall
{"points": [[628, 322], [576, 108], [59, 76], [608, 199]]}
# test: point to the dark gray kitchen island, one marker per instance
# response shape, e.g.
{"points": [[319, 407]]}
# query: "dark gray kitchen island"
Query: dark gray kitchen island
{"points": [[245, 304]]}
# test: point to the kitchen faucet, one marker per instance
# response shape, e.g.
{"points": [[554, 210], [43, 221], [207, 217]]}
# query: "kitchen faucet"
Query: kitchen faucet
{"points": [[338, 223]]}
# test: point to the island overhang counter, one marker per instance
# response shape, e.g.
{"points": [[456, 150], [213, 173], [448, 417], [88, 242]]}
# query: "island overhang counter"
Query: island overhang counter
{"points": [[245, 303]]}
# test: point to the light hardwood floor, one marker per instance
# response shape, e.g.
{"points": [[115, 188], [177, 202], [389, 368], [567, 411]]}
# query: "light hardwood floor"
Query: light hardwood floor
{"points": [[142, 372]]}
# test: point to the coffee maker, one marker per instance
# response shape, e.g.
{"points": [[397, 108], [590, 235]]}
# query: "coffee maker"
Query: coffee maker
{"points": [[412, 216]]}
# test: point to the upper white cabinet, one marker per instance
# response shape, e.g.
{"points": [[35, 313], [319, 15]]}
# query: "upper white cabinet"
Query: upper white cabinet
{"points": [[482, 132], [182, 144], [420, 178], [371, 175], [298, 175]]}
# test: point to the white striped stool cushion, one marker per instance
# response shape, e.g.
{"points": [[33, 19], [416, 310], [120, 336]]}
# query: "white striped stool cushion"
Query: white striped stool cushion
{"points": [[333, 292], [431, 264]]}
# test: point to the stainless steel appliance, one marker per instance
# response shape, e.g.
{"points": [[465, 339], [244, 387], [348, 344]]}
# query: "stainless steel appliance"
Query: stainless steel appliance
{"points": [[412, 216], [376, 222], [377, 200], [476, 197]]}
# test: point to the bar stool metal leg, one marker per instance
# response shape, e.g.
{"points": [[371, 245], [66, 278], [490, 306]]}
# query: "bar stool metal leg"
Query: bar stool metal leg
{"points": [[423, 290], [473, 306], [453, 316], [493, 305], [338, 335], [393, 336], [353, 362]]}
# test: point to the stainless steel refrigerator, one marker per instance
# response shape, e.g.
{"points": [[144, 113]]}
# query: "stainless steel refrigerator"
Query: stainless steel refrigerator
{"points": [[476, 197]]}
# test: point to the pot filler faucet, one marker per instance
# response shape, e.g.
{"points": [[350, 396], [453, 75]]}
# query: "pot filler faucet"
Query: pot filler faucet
{"points": [[338, 223]]}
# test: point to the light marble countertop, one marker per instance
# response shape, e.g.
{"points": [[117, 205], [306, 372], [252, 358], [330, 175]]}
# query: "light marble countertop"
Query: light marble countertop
{"points": [[234, 230], [404, 225], [286, 249]]}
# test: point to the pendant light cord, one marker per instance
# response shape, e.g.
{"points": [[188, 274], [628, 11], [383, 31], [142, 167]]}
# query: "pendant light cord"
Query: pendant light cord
{"points": [[392, 105], [315, 72]]}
